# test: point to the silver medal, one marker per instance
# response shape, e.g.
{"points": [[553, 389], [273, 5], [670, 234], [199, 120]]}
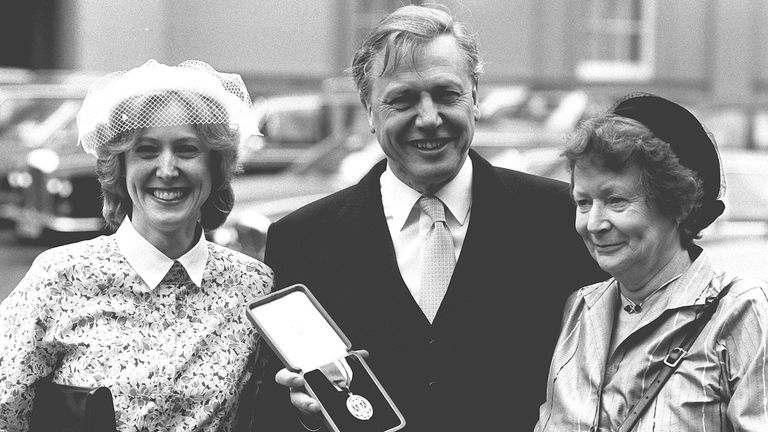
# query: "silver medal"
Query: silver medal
{"points": [[359, 407]]}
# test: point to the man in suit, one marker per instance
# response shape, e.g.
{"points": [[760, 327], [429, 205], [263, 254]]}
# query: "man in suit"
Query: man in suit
{"points": [[476, 357]]}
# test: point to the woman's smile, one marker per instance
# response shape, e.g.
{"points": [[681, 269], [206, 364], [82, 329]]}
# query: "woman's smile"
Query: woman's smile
{"points": [[608, 247], [169, 194]]}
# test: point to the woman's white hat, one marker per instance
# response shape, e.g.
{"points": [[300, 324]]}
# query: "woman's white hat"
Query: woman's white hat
{"points": [[117, 102]]}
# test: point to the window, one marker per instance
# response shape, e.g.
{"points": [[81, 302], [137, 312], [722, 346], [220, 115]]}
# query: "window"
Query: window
{"points": [[619, 40]]}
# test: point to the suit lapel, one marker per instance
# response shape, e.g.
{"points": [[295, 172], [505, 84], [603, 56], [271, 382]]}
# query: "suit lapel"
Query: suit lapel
{"points": [[491, 212], [492, 207], [370, 251]]}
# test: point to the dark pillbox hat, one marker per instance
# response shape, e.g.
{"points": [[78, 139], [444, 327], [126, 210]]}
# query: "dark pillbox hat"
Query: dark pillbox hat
{"points": [[679, 128]]}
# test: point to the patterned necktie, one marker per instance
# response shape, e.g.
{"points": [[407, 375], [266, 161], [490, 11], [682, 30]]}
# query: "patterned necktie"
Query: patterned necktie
{"points": [[177, 282], [438, 259], [177, 275]]}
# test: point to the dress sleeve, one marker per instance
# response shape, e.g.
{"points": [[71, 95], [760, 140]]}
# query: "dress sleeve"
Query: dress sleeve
{"points": [[25, 352], [744, 342]]}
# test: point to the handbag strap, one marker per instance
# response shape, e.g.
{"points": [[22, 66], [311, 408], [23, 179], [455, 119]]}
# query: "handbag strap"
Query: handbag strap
{"points": [[673, 360]]}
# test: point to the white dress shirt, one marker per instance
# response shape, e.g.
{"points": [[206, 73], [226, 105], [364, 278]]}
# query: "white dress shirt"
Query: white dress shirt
{"points": [[409, 225]]}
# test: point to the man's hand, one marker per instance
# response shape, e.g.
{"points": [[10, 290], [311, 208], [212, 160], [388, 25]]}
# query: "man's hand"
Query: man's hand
{"points": [[300, 399], [308, 407]]}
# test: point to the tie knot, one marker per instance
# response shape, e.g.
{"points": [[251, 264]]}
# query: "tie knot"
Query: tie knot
{"points": [[177, 273], [433, 207]]}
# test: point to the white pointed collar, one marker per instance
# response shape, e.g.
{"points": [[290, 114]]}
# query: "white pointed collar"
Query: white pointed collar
{"points": [[151, 264], [456, 195]]}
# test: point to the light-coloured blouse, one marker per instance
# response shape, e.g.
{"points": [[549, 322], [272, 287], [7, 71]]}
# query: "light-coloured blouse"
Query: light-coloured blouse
{"points": [[176, 354], [720, 385]]}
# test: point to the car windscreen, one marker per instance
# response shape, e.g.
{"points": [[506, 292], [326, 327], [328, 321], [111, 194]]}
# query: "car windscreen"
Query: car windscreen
{"points": [[295, 126], [37, 122]]}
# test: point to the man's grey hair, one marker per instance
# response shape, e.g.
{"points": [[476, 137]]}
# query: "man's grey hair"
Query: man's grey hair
{"points": [[403, 33]]}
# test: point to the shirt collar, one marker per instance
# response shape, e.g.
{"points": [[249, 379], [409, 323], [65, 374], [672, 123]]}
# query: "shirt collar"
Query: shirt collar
{"points": [[595, 292], [456, 195], [691, 288], [151, 264]]}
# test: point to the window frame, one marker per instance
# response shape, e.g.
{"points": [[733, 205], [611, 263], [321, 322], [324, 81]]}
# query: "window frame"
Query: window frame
{"points": [[622, 70]]}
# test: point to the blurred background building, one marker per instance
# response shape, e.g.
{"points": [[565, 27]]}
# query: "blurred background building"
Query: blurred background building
{"points": [[690, 50]]}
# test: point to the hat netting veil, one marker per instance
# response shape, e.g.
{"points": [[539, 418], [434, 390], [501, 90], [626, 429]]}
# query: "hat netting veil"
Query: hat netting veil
{"points": [[126, 100]]}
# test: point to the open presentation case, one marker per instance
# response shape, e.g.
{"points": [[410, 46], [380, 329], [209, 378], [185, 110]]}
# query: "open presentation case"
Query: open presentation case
{"points": [[308, 341]]}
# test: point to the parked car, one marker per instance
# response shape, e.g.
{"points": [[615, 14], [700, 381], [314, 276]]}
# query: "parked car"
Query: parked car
{"points": [[261, 199], [48, 182], [519, 118], [740, 130], [293, 125], [746, 174], [738, 125]]}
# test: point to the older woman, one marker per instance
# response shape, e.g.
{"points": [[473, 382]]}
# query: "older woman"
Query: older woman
{"points": [[646, 179], [154, 312]]}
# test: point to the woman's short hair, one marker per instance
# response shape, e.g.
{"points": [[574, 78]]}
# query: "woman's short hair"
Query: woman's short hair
{"points": [[403, 33], [615, 143], [221, 138]]}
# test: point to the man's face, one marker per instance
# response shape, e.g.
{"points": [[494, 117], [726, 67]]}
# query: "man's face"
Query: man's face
{"points": [[424, 114]]}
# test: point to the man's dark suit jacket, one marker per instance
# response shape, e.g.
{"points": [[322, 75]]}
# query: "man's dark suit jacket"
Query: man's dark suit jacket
{"points": [[482, 364]]}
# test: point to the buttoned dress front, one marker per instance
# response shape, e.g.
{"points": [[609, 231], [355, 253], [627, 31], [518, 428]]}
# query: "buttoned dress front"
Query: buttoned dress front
{"points": [[719, 386], [175, 353]]}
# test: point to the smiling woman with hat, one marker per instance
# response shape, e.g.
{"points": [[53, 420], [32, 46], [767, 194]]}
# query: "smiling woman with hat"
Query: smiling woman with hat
{"points": [[669, 343], [154, 312]]}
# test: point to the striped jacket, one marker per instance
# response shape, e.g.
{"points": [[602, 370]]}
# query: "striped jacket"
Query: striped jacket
{"points": [[719, 386]]}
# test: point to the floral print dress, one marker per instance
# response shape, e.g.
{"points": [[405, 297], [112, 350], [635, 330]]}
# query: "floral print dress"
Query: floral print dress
{"points": [[175, 356]]}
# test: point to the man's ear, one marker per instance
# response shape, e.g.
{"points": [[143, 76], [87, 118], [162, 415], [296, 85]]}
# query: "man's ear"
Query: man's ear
{"points": [[475, 106], [370, 118]]}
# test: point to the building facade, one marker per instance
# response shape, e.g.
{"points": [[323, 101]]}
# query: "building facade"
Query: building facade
{"points": [[687, 49]]}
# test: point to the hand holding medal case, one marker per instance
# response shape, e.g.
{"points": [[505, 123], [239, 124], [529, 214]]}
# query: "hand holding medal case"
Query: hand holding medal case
{"points": [[306, 340]]}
